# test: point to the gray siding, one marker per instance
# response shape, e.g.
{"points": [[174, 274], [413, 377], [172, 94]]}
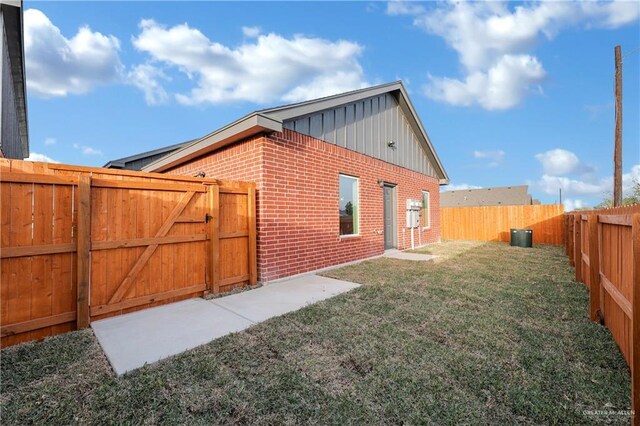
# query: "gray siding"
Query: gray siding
{"points": [[9, 123], [11, 142], [142, 162], [367, 126]]}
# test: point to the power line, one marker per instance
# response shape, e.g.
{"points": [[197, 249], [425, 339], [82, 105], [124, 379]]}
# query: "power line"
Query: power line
{"points": [[637, 49]]}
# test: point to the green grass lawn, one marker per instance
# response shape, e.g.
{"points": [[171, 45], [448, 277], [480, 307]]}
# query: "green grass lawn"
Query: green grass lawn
{"points": [[487, 334]]}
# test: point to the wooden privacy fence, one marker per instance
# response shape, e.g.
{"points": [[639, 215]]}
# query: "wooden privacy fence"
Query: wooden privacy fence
{"points": [[494, 223], [79, 244], [604, 247]]}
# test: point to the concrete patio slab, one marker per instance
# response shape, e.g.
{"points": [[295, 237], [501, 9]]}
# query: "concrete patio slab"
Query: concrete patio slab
{"points": [[144, 337], [410, 256], [283, 296], [132, 340]]}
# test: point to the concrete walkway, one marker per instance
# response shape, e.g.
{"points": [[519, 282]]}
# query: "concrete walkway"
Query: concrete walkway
{"points": [[144, 337], [402, 255]]}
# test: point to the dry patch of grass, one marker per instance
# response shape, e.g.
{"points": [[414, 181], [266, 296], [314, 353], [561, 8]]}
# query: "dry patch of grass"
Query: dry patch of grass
{"points": [[489, 334]]}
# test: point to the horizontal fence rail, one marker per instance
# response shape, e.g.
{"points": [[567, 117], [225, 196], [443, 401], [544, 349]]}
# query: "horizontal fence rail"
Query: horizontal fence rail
{"points": [[494, 223], [604, 247], [79, 243]]}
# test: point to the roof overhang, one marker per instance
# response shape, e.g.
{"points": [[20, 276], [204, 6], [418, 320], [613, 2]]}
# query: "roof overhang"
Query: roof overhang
{"points": [[247, 126], [120, 163], [414, 121]]}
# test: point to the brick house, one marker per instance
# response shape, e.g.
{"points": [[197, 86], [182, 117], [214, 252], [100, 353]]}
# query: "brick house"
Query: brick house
{"points": [[333, 176]]}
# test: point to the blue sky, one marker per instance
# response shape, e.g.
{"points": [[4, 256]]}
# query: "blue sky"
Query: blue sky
{"points": [[510, 93]]}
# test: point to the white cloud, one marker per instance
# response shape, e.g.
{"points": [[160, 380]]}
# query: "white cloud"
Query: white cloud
{"points": [[612, 14], [493, 158], [325, 85], [459, 187], [597, 110], [50, 141], [87, 150], [58, 66], [550, 185], [262, 70], [251, 32], [502, 86], [557, 162], [571, 204], [35, 156], [494, 41], [400, 7], [147, 78], [629, 179]]}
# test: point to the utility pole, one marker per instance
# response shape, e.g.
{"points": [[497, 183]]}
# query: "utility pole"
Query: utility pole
{"points": [[560, 196], [617, 152]]}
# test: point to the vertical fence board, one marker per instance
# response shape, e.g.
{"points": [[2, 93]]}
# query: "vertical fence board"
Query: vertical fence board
{"points": [[83, 250], [214, 241], [577, 246], [253, 264], [594, 268]]}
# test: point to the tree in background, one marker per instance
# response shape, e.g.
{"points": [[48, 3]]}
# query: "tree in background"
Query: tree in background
{"points": [[348, 209], [629, 200]]}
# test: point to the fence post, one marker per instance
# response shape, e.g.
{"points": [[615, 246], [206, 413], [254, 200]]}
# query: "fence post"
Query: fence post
{"points": [[83, 250], [214, 243], [565, 234], [594, 268], [571, 240], [635, 321], [251, 207], [577, 245]]}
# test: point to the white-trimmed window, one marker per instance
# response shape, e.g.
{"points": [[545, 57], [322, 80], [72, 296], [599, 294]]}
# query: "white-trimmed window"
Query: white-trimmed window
{"points": [[425, 212], [349, 204]]}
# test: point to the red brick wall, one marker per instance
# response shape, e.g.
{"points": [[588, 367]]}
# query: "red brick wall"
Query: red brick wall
{"points": [[297, 207]]}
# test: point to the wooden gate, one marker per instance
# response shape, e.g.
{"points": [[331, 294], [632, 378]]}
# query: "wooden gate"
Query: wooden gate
{"points": [[80, 244]]}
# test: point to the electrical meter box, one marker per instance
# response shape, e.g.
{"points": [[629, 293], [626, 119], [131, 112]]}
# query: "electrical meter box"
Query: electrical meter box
{"points": [[413, 213]]}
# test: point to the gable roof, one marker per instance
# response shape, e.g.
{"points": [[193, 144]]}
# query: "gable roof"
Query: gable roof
{"points": [[271, 120], [121, 163]]}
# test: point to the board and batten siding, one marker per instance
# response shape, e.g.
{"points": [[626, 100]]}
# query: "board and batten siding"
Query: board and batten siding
{"points": [[367, 126], [10, 141]]}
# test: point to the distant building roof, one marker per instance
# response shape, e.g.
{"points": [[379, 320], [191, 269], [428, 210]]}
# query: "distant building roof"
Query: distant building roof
{"points": [[138, 161], [499, 196]]}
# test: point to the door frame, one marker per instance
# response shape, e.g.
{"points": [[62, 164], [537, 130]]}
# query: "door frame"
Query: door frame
{"points": [[394, 214]]}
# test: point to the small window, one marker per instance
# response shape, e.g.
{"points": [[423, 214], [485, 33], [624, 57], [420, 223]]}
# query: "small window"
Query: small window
{"points": [[348, 205], [425, 213]]}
